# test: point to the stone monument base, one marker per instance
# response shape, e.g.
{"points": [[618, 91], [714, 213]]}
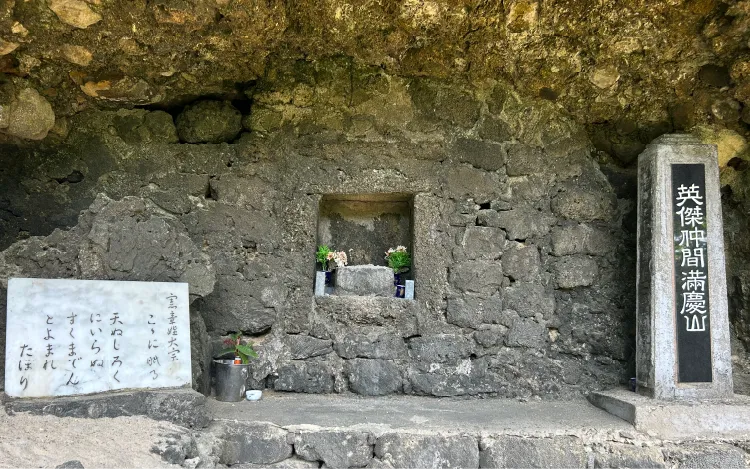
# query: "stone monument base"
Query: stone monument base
{"points": [[728, 417], [181, 406]]}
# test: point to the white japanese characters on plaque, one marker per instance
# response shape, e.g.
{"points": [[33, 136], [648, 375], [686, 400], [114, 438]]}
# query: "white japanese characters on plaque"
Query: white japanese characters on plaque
{"points": [[68, 337], [691, 273]]}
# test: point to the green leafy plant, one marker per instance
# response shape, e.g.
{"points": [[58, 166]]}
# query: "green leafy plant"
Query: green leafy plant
{"points": [[244, 351], [398, 259], [323, 256]]}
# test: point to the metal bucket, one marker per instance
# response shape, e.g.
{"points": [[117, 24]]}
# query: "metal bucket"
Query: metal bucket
{"points": [[230, 380]]}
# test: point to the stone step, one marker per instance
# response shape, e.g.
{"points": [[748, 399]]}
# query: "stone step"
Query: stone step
{"points": [[298, 431], [294, 431]]}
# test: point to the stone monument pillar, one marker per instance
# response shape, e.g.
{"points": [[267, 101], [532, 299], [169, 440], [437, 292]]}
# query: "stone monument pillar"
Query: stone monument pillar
{"points": [[682, 331], [683, 359]]}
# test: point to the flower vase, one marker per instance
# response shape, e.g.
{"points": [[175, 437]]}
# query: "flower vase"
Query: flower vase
{"points": [[396, 279], [400, 291], [329, 278]]}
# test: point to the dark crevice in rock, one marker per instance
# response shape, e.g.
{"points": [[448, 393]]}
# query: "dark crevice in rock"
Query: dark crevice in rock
{"points": [[714, 75], [738, 164], [210, 192], [72, 178]]}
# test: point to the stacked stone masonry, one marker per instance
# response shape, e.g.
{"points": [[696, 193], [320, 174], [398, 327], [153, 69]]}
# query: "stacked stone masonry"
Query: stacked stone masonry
{"points": [[258, 445], [395, 432], [523, 248]]}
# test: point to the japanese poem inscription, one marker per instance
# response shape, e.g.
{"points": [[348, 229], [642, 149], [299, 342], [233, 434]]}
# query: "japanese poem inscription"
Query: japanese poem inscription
{"points": [[691, 273], [69, 337]]}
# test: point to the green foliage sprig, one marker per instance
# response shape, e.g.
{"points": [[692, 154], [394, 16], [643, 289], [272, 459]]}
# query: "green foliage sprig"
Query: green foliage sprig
{"points": [[244, 351], [322, 256], [398, 259]]}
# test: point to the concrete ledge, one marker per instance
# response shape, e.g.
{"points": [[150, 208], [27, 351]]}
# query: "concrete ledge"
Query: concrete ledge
{"points": [[182, 406], [400, 413], [678, 419]]}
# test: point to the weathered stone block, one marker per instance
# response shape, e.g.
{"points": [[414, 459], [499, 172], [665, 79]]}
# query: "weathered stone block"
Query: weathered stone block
{"points": [[237, 303], [445, 103], [471, 182], [304, 346], [395, 314], [524, 223], [481, 242], [485, 155], [289, 463], [364, 280], [462, 219], [337, 449], [209, 122], [705, 455], [531, 190], [525, 159], [444, 380], [30, 115], [495, 129], [401, 450], [584, 204], [467, 376], [373, 377], [174, 448], [72, 464], [128, 239], [526, 332], [521, 263], [140, 126], [620, 455], [528, 299], [501, 204], [441, 348], [491, 335], [473, 311], [575, 271], [514, 452], [487, 217], [386, 346], [581, 239], [256, 443], [304, 376], [477, 276], [263, 119]]}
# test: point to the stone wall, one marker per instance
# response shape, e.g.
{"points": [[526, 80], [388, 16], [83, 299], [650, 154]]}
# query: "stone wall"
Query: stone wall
{"points": [[523, 249], [262, 444]]}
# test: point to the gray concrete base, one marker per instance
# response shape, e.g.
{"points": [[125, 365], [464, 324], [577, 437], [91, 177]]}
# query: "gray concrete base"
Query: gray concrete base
{"points": [[181, 406], [728, 418]]}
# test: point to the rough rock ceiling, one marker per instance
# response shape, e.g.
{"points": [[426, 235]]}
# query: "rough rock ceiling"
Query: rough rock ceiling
{"points": [[626, 69]]}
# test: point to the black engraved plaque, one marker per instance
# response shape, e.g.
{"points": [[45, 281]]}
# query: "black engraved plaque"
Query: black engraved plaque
{"points": [[692, 318]]}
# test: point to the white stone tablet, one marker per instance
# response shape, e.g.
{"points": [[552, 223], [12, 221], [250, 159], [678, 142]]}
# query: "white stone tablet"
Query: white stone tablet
{"points": [[69, 337]]}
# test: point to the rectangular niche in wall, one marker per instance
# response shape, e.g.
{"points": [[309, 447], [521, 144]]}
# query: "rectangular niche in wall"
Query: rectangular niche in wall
{"points": [[365, 225]]}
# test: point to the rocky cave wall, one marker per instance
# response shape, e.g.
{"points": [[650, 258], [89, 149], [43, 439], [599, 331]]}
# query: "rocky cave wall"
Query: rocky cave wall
{"points": [[523, 234]]}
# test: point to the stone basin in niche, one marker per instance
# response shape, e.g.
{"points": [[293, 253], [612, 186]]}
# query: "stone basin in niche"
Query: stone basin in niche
{"points": [[364, 280]]}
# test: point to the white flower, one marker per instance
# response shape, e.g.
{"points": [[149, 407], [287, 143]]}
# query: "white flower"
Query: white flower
{"points": [[339, 257]]}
